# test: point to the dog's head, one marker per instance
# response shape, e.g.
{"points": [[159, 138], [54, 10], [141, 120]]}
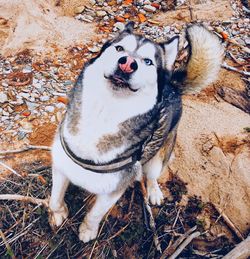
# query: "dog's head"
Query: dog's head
{"points": [[133, 63]]}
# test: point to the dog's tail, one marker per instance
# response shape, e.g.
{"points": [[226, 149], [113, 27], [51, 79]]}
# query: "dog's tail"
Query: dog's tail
{"points": [[204, 60]]}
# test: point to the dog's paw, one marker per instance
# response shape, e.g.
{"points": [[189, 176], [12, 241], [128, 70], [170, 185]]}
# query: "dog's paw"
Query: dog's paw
{"points": [[87, 233], [57, 217], [155, 194]]}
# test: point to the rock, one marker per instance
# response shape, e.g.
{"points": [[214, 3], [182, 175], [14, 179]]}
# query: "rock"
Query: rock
{"points": [[44, 98], [247, 41], [4, 84], [27, 69], [94, 49], [119, 25], [3, 98], [149, 8], [5, 113], [31, 106], [101, 13], [60, 105], [79, 9], [59, 116], [49, 108]]}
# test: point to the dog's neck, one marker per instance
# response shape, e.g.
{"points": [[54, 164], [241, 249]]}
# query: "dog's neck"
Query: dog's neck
{"points": [[93, 125]]}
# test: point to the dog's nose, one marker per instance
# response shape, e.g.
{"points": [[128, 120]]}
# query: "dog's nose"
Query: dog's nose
{"points": [[127, 64]]}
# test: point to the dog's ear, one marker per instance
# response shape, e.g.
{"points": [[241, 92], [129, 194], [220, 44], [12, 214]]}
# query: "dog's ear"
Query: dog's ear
{"points": [[129, 27], [170, 52]]}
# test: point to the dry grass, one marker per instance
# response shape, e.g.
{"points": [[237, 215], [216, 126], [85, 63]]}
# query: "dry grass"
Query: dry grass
{"points": [[125, 231]]}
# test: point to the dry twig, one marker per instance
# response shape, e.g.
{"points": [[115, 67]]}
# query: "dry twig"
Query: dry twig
{"points": [[229, 223], [241, 251], [10, 169], [25, 148], [170, 249], [17, 197], [151, 218], [226, 66], [7, 244]]}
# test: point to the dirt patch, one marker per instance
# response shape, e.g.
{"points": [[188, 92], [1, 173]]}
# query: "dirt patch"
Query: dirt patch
{"points": [[38, 25], [207, 11], [43, 135]]}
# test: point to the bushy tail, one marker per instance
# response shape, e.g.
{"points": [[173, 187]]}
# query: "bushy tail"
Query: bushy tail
{"points": [[204, 60]]}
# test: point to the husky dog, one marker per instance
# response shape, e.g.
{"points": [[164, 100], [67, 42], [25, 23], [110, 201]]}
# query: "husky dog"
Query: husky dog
{"points": [[122, 119]]}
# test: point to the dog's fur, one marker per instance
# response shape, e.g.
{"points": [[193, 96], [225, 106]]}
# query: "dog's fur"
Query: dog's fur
{"points": [[106, 119]]}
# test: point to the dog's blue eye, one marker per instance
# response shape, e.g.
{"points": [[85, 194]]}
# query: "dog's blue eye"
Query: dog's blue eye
{"points": [[119, 48], [148, 61]]}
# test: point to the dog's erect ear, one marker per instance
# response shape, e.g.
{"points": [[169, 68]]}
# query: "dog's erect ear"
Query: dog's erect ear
{"points": [[171, 50], [129, 27]]}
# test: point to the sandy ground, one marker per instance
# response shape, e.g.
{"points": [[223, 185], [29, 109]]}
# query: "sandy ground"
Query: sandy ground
{"points": [[212, 151]]}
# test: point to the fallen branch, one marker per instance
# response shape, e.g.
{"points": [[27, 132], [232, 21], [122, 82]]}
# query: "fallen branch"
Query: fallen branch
{"points": [[226, 66], [17, 197], [185, 244], [7, 245], [239, 99], [234, 42], [171, 249], [151, 218], [241, 251], [10, 169], [229, 223], [26, 148]]}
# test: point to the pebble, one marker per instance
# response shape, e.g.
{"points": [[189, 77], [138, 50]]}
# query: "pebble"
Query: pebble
{"points": [[27, 69], [94, 49], [31, 105], [3, 98], [44, 98], [79, 9], [149, 8], [49, 108], [4, 84], [119, 25], [101, 13], [247, 41]]}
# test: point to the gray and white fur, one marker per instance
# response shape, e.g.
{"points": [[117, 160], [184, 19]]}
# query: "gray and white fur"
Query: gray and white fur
{"points": [[124, 101]]}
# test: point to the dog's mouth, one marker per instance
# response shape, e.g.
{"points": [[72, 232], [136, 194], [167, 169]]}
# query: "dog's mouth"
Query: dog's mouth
{"points": [[120, 82]]}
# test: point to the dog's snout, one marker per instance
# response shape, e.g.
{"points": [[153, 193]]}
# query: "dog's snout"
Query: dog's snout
{"points": [[127, 64]]}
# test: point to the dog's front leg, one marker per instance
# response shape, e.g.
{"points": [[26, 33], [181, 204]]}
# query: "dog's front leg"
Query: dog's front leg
{"points": [[89, 228], [153, 169], [57, 206]]}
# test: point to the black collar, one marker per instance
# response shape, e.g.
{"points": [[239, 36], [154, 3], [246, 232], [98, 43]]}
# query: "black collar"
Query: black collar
{"points": [[114, 165]]}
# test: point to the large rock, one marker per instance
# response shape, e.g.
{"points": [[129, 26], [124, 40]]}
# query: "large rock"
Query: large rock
{"points": [[212, 156]]}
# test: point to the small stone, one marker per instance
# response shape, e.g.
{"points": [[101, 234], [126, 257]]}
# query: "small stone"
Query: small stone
{"points": [[27, 69], [79, 9], [101, 13], [31, 106], [44, 98], [60, 105], [59, 116], [149, 8], [3, 98], [247, 41], [4, 84], [105, 18], [49, 108], [5, 113], [53, 119], [119, 25], [94, 49]]}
